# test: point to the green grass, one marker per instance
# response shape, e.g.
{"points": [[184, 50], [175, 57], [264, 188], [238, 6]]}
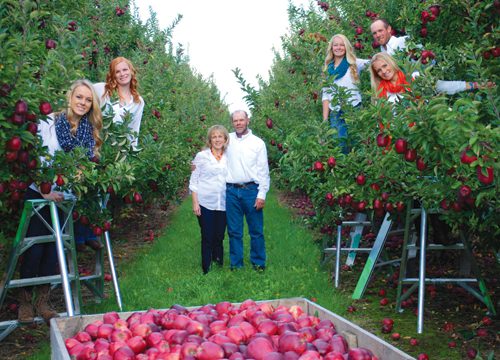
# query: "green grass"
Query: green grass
{"points": [[169, 272]]}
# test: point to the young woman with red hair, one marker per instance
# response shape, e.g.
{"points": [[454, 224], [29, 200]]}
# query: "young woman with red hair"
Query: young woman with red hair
{"points": [[120, 96]]}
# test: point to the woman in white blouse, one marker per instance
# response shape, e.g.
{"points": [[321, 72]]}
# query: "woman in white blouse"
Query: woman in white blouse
{"points": [[208, 188], [343, 67], [119, 94]]}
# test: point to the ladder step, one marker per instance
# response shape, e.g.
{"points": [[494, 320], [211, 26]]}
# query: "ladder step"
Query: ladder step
{"points": [[438, 247], [46, 238], [53, 279], [90, 277], [350, 223], [333, 249], [439, 280]]}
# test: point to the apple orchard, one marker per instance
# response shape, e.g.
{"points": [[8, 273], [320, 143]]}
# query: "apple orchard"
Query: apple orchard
{"points": [[47, 45], [438, 150]]}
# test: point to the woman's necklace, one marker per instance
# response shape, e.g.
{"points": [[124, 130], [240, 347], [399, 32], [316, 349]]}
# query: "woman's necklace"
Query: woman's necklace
{"points": [[217, 156]]}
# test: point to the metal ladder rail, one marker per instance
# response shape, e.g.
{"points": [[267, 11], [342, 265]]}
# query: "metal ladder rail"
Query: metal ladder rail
{"points": [[373, 258], [63, 242]]}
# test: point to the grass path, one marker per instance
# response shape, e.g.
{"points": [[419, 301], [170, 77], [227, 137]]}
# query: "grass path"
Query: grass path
{"points": [[169, 271]]}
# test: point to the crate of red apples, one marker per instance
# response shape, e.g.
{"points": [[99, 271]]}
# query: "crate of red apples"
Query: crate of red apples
{"points": [[285, 329]]}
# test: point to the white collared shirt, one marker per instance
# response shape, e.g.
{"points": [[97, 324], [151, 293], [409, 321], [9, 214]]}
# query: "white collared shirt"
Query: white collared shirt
{"points": [[394, 44], [208, 180], [347, 82], [135, 109], [247, 162]]}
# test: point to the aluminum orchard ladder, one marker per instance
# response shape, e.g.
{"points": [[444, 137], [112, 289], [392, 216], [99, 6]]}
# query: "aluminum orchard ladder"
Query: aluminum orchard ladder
{"points": [[62, 235], [468, 265]]}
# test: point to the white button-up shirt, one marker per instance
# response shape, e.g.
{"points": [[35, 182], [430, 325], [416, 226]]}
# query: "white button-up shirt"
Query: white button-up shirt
{"points": [[394, 44], [135, 109], [247, 162], [208, 180]]}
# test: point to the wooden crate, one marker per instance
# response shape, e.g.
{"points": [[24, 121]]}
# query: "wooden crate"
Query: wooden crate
{"points": [[62, 328]]}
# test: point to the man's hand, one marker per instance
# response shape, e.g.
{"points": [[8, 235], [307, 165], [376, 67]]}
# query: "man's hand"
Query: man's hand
{"points": [[259, 204]]}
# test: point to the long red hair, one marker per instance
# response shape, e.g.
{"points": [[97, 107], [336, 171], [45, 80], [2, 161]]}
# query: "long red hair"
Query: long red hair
{"points": [[111, 85]]}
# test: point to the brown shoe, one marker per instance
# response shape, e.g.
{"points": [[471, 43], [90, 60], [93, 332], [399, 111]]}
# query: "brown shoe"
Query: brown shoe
{"points": [[42, 304], [81, 247], [94, 244], [25, 313]]}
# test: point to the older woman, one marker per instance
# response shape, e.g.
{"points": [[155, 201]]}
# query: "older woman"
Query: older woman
{"points": [[208, 188], [343, 67], [119, 94], [78, 125]]}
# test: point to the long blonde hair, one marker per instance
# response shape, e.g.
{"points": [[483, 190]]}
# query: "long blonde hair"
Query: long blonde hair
{"points": [[374, 78], [349, 55], [94, 114]]}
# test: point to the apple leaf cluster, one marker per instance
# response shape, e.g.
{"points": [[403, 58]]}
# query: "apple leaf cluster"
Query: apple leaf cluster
{"points": [[44, 47], [440, 151]]}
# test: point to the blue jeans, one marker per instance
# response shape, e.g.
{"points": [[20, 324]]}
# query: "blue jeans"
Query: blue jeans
{"points": [[240, 203], [83, 233], [337, 122]]}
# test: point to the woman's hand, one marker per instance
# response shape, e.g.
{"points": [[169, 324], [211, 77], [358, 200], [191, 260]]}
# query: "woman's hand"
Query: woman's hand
{"points": [[196, 209], [54, 196]]}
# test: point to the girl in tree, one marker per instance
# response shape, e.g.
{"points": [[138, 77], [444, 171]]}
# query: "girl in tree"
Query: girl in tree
{"points": [[208, 188], [79, 125], [343, 67], [388, 81], [119, 95]]}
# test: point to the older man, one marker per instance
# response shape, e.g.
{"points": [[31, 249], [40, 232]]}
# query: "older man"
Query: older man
{"points": [[382, 33], [246, 188]]}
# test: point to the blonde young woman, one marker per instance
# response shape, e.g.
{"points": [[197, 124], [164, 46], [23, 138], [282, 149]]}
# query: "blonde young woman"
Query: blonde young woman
{"points": [[388, 80], [79, 125], [208, 188], [343, 67]]}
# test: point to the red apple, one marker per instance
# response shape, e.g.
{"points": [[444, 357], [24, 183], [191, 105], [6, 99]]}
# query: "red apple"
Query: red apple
{"points": [[318, 166], [137, 344], [14, 144], [331, 161], [45, 187], [269, 123], [361, 179], [414, 342], [421, 166], [259, 347], [21, 107], [45, 108], [411, 155], [109, 317], [400, 146], [50, 44], [471, 353], [291, 341], [395, 336], [210, 351], [359, 354], [485, 179], [423, 356], [382, 140]]}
